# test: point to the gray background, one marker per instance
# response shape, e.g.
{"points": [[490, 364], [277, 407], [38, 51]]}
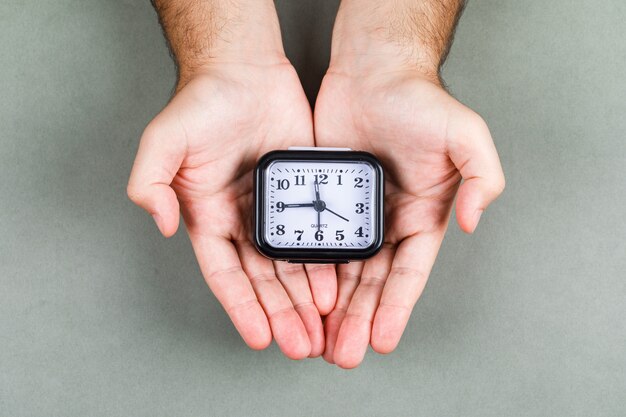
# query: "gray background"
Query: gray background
{"points": [[100, 316]]}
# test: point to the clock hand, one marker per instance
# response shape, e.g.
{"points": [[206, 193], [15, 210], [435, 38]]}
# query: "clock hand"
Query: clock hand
{"points": [[299, 205], [317, 191], [341, 217], [318, 221], [317, 202]]}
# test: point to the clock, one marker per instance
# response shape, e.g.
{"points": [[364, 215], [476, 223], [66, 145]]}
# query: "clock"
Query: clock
{"points": [[319, 205]]}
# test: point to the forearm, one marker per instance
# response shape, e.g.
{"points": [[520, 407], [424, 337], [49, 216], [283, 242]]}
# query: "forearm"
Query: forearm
{"points": [[201, 32], [415, 34]]}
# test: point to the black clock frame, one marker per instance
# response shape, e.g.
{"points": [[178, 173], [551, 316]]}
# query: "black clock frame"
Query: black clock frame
{"points": [[318, 255]]}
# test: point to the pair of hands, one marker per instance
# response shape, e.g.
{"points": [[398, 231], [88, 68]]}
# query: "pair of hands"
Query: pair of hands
{"points": [[197, 157]]}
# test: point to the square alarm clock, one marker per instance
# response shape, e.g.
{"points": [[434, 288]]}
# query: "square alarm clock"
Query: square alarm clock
{"points": [[319, 205]]}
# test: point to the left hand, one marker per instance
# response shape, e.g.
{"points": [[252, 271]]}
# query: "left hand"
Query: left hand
{"points": [[427, 142]]}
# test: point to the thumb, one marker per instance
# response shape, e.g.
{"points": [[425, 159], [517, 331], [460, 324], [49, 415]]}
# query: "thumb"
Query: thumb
{"points": [[472, 151], [158, 159]]}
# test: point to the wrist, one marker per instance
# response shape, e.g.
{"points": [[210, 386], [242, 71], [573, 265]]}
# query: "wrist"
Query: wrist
{"points": [[238, 60], [376, 58]]}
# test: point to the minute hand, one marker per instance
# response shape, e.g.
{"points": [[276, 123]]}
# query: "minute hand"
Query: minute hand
{"points": [[338, 215], [317, 191], [317, 201]]}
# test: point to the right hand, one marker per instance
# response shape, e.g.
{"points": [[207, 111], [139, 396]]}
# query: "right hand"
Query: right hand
{"points": [[197, 156]]}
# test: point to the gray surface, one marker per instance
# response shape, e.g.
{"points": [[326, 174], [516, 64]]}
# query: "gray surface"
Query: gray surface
{"points": [[100, 316]]}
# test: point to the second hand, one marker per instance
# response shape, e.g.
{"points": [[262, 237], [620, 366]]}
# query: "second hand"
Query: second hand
{"points": [[338, 215]]}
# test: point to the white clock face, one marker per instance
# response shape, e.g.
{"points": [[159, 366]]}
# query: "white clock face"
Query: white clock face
{"points": [[320, 204]]}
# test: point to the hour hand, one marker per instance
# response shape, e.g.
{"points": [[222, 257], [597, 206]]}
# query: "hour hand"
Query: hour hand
{"points": [[298, 205]]}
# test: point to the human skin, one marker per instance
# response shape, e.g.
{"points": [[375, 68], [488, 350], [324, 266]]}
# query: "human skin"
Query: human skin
{"points": [[237, 97], [383, 93]]}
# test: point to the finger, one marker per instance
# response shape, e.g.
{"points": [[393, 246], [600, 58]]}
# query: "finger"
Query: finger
{"points": [[287, 327], [158, 159], [294, 280], [409, 272], [355, 331], [323, 283], [348, 277], [473, 152], [223, 273]]}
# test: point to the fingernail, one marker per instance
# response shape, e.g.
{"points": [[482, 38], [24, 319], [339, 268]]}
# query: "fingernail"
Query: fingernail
{"points": [[157, 220]]}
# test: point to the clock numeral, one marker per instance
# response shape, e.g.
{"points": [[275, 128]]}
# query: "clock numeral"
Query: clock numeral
{"points": [[360, 208], [280, 207], [359, 232], [339, 235], [299, 233], [358, 182], [282, 184], [300, 180], [339, 180], [321, 179], [280, 229], [319, 235]]}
